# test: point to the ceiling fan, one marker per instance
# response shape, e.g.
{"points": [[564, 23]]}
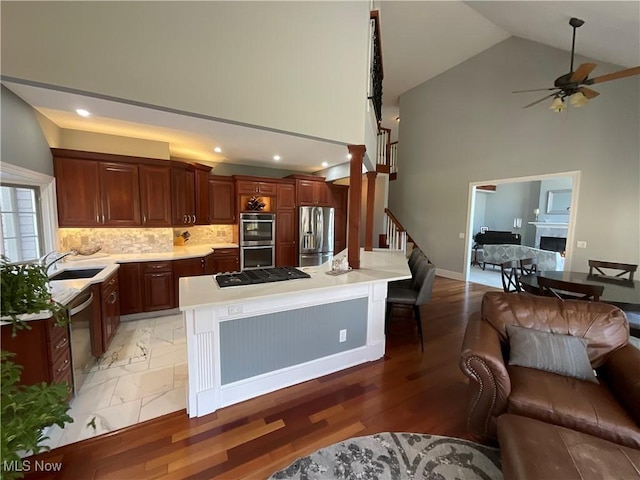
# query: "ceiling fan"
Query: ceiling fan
{"points": [[572, 84]]}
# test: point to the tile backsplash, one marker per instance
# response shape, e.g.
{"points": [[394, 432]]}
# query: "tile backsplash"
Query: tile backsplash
{"points": [[142, 240]]}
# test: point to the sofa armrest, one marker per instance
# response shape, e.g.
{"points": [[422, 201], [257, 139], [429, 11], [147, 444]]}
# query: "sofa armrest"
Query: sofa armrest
{"points": [[489, 384], [621, 371]]}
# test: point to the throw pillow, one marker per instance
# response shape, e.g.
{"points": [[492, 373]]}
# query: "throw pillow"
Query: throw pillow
{"points": [[562, 354]]}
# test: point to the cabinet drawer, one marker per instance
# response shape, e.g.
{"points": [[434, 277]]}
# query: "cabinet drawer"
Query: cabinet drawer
{"points": [[59, 346], [61, 369], [154, 267], [54, 333], [224, 252], [110, 283]]}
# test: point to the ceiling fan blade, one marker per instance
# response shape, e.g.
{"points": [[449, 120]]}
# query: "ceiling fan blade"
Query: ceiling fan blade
{"points": [[615, 75], [538, 101], [583, 72], [588, 93], [536, 90]]}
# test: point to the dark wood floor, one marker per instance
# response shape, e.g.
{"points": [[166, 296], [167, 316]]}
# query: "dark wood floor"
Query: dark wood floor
{"points": [[405, 391]]}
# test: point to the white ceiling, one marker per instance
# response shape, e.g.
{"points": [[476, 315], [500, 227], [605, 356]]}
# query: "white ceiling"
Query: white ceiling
{"points": [[420, 40]]}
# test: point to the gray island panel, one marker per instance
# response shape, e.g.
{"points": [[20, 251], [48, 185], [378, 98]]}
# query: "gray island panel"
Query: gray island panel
{"points": [[265, 343]]}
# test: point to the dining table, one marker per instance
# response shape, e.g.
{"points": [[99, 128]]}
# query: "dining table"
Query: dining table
{"points": [[620, 292]]}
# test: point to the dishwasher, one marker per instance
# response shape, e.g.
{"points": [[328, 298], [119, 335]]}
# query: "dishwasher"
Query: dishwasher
{"points": [[81, 311]]}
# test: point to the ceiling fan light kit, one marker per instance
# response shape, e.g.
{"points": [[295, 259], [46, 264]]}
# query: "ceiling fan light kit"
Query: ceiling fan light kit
{"points": [[572, 84]]}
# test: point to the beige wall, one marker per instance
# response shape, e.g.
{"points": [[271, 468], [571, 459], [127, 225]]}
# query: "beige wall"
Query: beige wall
{"points": [[466, 126], [293, 66], [103, 143]]}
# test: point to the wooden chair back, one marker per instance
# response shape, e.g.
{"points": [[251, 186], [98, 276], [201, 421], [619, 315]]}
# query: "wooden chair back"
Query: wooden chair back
{"points": [[510, 279], [625, 268], [569, 290], [528, 266]]}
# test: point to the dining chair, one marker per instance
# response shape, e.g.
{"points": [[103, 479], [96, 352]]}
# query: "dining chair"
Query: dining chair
{"points": [[625, 268], [416, 259], [569, 290], [510, 279], [528, 266], [419, 294]]}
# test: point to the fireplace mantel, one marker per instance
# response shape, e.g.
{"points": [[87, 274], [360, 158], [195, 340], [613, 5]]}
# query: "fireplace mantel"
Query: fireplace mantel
{"points": [[549, 225]]}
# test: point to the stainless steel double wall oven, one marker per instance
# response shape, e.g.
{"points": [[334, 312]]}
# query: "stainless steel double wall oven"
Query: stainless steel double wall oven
{"points": [[257, 240]]}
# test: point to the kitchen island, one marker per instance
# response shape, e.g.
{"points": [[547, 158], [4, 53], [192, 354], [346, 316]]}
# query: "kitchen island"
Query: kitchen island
{"points": [[245, 341]]}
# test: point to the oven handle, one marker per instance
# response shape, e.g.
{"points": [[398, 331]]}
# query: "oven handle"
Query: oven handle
{"points": [[82, 306], [270, 246]]}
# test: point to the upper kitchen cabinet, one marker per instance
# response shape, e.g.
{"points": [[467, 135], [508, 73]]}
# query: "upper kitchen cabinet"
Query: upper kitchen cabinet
{"points": [[221, 200], [120, 195], [155, 196], [312, 190], [202, 196], [78, 192], [183, 195], [256, 187]]}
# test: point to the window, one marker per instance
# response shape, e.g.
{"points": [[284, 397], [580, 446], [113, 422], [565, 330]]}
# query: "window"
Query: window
{"points": [[20, 228]]}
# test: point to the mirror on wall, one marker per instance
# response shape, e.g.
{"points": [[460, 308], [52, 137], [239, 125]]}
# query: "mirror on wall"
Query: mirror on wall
{"points": [[559, 202]]}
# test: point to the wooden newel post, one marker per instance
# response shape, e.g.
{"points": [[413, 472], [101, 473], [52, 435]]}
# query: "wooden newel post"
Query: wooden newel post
{"points": [[355, 204], [371, 200]]}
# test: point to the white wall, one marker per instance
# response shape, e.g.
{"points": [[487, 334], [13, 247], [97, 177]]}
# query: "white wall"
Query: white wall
{"points": [[466, 126], [298, 67]]}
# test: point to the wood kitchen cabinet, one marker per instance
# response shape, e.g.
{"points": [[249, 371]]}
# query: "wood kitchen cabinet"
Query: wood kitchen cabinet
{"points": [[222, 195], [339, 201], [202, 193], [130, 284], [312, 190], [286, 225], [120, 195], [78, 192], [110, 309], [183, 195], [188, 267], [155, 196], [254, 187], [226, 260], [43, 351], [157, 286]]}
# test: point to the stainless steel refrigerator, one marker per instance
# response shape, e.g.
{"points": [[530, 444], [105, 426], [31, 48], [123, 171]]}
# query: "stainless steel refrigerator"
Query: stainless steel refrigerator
{"points": [[316, 235]]}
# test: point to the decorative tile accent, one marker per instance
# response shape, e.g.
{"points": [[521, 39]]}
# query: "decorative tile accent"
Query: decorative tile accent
{"points": [[208, 234], [117, 240]]}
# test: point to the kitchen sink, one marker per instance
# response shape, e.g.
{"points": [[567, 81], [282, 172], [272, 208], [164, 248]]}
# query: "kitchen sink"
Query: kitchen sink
{"points": [[75, 274]]}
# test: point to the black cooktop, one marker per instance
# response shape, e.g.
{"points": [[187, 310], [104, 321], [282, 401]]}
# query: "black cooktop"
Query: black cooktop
{"points": [[260, 275]]}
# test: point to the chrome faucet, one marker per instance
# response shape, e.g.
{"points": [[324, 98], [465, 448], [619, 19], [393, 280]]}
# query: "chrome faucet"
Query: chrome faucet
{"points": [[58, 256]]}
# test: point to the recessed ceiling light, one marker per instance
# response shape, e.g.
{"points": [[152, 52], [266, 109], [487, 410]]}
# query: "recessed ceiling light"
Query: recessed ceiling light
{"points": [[217, 150], [325, 164], [276, 158], [82, 112]]}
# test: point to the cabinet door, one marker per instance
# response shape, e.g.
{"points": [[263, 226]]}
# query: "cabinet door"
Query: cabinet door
{"points": [[306, 192], [209, 264], [323, 194], [339, 197], [340, 230], [286, 238], [226, 260], [130, 286], [78, 192], [189, 267], [110, 309], [155, 196], [202, 197], [183, 196], [120, 194], [221, 201], [158, 291], [286, 198], [266, 188], [247, 187]]}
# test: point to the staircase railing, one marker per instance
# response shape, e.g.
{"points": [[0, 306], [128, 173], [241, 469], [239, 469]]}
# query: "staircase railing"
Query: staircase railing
{"points": [[396, 233], [382, 155], [377, 74], [393, 159]]}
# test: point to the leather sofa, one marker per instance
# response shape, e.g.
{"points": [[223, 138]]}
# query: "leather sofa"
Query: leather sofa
{"points": [[608, 410]]}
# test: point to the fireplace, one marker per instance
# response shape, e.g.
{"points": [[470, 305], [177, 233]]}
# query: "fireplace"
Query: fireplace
{"points": [[555, 244]]}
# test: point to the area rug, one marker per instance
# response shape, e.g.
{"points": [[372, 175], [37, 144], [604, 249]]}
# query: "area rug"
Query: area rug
{"points": [[127, 347], [398, 456]]}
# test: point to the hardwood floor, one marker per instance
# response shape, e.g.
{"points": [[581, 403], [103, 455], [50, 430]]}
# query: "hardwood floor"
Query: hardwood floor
{"points": [[405, 391]]}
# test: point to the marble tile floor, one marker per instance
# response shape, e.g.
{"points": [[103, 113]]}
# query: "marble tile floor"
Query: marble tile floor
{"points": [[142, 376]]}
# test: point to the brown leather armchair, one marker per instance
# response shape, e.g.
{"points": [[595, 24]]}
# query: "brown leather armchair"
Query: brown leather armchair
{"points": [[609, 409]]}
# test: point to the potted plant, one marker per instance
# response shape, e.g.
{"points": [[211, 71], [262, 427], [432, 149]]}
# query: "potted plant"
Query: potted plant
{"points": [[25, 411]]}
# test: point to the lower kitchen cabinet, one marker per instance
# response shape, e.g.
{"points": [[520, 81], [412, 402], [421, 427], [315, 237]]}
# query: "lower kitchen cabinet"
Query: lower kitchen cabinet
{"points": [[130, 288], [110, 309], [43, 351], [226, 260], [157, 286], [188, 267]]}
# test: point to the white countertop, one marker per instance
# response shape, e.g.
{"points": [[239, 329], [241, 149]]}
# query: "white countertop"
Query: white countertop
{"points": [[379, 265]]}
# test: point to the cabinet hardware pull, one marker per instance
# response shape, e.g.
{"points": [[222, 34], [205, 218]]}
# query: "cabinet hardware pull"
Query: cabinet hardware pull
{"points": [[184, 219], [103, 218], [64, 366], [62, 344], [144, 219], [113, 297], [156, 266], [97, 218], [194, 219], [157, 274]]}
